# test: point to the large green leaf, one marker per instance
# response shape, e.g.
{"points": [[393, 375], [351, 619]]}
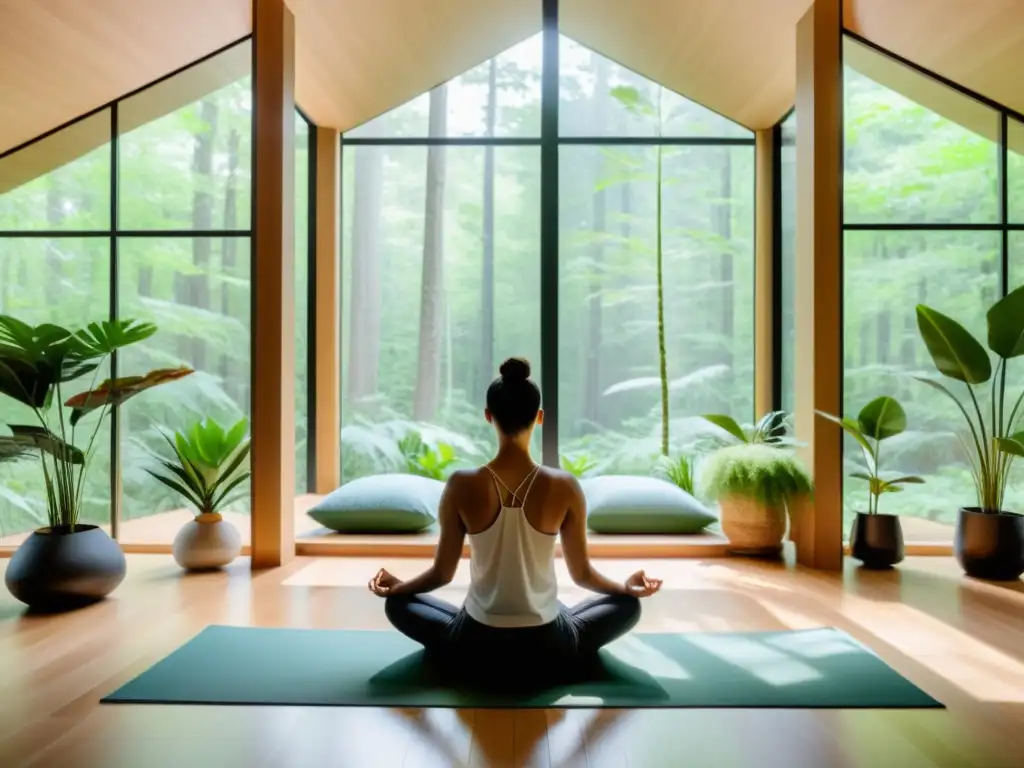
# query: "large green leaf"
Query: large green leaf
{"points": [[1012, 445], [45, 440], [1006, 325], [727, 423], [114, 392], [852, 428], [106, 336], [882, 418], [955, 352]]}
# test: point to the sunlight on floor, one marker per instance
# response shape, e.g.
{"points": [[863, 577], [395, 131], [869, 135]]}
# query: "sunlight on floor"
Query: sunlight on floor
{"points": [[980, 670], [754, 657], [632, 650]]}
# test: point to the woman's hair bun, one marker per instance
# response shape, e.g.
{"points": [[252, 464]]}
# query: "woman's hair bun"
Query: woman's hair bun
{"points": [[515, 369]]}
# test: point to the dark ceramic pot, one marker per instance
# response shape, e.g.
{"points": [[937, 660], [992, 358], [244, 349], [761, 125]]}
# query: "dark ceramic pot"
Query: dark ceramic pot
{"points": [[877, 540], [989, 545], [58, 570]]}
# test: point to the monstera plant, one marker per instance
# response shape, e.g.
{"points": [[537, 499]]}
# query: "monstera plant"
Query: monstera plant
{"points": [[66, 562], [989, 540]]}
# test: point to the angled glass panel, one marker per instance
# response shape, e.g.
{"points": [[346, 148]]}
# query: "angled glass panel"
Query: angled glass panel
{"points": [[184, 148], [500, 97], [916, 151], [1015, 171], [787, 188], [956, 273], [601, 98], [61, 182]]}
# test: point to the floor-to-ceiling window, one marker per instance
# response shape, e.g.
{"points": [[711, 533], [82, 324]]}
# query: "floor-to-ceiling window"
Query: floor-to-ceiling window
{"points": [[440, 270], [785, 241], [142, 210], [615, 129], [924, 223]]}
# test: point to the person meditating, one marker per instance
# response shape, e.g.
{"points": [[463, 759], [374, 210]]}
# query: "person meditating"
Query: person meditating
{"points": [[513, 510]]}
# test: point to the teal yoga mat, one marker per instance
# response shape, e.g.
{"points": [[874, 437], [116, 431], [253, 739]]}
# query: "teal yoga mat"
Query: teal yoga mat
{"points": [[816, 668]]}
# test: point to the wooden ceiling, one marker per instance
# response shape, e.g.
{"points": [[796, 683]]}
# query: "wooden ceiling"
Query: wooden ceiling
{"points": [[62, 58], [357, 58]]}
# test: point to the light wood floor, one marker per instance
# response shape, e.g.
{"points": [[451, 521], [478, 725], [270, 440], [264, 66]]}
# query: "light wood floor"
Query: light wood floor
{"points": [[962, 641]]}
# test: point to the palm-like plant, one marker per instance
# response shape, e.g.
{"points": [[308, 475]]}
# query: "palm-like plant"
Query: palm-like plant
{"points": [[994, 442], [207, 465], [36, 364]]}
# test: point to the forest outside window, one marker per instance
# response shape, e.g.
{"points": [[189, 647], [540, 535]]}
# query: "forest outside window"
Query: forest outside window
{"points": [[921, 160]]}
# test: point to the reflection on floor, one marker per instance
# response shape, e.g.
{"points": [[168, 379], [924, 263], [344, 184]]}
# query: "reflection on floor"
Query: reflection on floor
{"points": [[957, 639], [161, 529]]}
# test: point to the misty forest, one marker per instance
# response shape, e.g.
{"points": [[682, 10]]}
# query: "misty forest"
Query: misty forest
{"points": [[441, 274]]}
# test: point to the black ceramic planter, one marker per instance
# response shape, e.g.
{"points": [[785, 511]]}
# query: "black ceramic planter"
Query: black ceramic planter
{"points": [[990, 545], [58, 571], [877, 540]]}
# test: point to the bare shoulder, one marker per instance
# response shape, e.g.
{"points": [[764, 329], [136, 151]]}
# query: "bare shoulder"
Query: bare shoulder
{"points": [[560, 479], [462, 478]]}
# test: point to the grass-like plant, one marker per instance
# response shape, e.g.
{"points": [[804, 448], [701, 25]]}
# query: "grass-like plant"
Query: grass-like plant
{"points": [[754, 471], [995, 437], [37, 362], [879, 420], [678, 471], [208, 464]]}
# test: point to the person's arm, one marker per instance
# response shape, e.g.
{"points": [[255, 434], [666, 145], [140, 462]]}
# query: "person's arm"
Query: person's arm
{"points": [[574, 547], [449, 549]]}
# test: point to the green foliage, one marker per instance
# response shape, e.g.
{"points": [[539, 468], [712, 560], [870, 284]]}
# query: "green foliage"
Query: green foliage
{"points": [[770, 429], [208, 464], [767, 475], [424, 460], [578, 464], [879, 420], [994, 435], [35, 361], [679, 471]]}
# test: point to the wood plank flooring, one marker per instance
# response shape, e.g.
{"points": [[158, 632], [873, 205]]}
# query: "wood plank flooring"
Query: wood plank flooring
{"points": [[960, 640]]}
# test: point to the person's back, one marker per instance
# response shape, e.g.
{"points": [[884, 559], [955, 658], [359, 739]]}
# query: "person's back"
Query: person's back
{"points": [[513, 512]]}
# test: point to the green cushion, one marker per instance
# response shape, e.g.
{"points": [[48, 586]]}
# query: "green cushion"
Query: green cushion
{"points": [[630, 504], [381, 504]]}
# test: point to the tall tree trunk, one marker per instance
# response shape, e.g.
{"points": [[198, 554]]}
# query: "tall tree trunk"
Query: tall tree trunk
{"points": [[595, 300], [722, 217], [194, 290], [486, 369], [662, 356], [229, 246], [365, 297], [883, 331], [54, 263], [428, 363]]}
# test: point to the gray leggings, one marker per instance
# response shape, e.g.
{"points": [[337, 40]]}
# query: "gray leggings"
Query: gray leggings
{"points": [[576, 634]]}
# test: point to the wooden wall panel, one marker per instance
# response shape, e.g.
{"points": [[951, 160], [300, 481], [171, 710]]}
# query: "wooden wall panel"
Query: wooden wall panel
{"points": [[328, 311], [819, 291], [62, 58], [764, 269], [273, 293]]}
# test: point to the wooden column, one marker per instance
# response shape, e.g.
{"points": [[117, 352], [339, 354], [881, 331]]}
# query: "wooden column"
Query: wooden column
{"points": [[328, 314], [764, 269], [273, 280], [819, 337]]}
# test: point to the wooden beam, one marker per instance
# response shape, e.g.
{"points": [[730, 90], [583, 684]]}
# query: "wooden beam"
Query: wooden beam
{"points": [[328, 314], [819, 338], [764, 281], [273, 279]]}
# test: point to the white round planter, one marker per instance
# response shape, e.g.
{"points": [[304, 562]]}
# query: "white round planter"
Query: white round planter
{"points": [[206, 542]]}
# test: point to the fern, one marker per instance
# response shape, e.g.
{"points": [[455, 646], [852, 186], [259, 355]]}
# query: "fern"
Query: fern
{"points": [[769, 476]]}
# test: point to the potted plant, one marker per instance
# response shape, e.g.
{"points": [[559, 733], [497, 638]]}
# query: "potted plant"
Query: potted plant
{"points": [[66, 563], [876, 539], [208, 464], [754, 484], [771, 429], [989, 540]]}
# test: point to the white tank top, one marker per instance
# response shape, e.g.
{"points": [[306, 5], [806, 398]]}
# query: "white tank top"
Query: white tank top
{"points": [[512, 579]]}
